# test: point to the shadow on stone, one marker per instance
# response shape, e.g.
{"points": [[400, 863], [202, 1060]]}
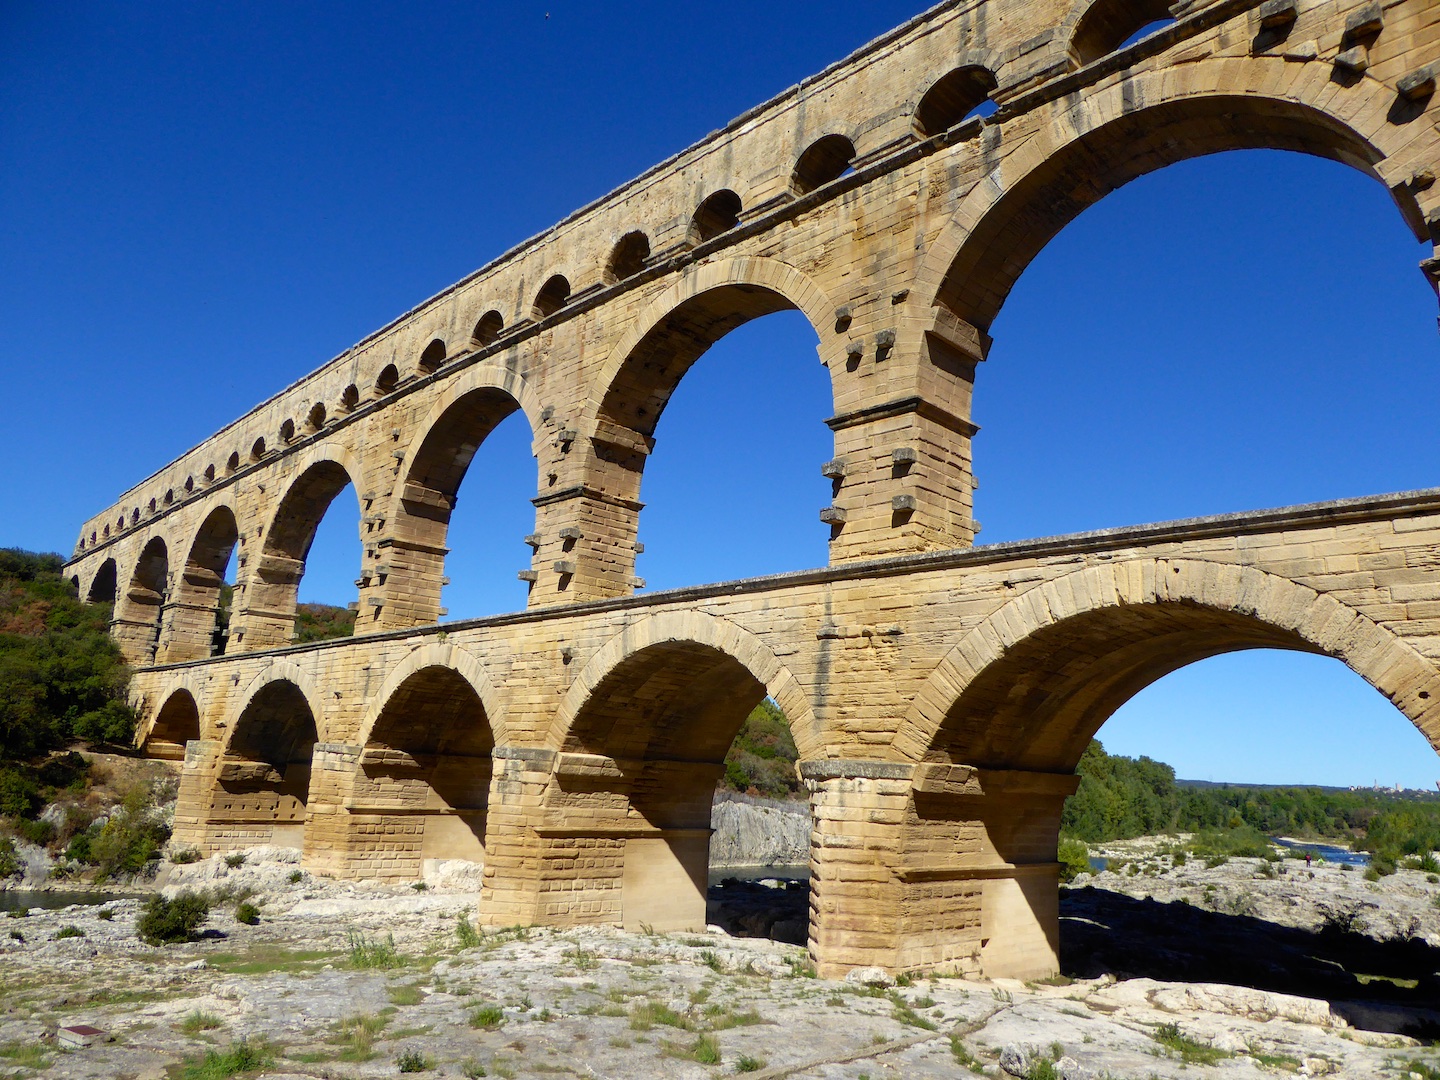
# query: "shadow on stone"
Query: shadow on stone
{"points": [[769, 908], [1380, 985]]}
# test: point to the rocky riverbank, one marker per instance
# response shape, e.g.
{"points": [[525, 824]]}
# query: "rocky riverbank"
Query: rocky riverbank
{"points": [[342, 980]]}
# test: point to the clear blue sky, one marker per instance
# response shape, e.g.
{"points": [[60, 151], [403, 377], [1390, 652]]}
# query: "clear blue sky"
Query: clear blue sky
{"points": [[199, 203]]}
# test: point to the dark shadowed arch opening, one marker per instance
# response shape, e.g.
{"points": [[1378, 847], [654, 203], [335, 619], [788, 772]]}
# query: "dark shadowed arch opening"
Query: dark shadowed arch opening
{"points": [[265, 779], [140, 610], [490, 540], [628, 257], [553, 295], [177, 723], [272, 592], [953, 98], [648, 748], [432, 356], [387, 380], [487, 328], [1110, 24], [827, 159], [200, 627], [424, 778], [102, 586], [719, 213]]}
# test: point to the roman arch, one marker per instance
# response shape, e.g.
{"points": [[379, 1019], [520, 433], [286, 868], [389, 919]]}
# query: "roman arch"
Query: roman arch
{"points": [[941, 693]]}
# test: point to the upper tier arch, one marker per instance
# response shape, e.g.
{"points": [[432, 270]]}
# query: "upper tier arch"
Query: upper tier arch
{"points": [[1142, 122]]}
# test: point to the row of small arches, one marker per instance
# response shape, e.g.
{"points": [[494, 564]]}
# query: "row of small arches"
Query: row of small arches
{"points": [[955, 98]]}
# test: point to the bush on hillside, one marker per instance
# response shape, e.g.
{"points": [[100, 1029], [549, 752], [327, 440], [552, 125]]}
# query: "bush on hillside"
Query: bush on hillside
{"points": [[61, 675], [761, 760], [322, 622]]}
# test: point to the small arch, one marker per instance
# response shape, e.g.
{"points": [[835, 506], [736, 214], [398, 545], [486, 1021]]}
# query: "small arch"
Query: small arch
{"points": [[257, 449], [189, 484], [103, 584], [151, 506], [287, 431], [719, 213], [209, 474], [487, 328], [106, 534], [433, 355], [120, 522], [232, 464], [134, 517], [553, 295], [827, 159], [177, 723], [350, 397], [316, 417], [169, 496], [388, 379], [75, 583], [1106, 25], [952, 99], [627, 257]]}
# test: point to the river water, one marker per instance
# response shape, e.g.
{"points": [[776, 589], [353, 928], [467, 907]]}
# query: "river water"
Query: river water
{"points": [[1331, 853]]}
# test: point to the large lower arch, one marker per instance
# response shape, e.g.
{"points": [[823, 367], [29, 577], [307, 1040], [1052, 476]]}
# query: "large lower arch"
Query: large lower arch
{"points": [[1142, 122], [1000, 726], [196, 630], [456, 426], [258, 777], [138, 612], [266, 618], [419, 789], [642, 739], [102, 589]]}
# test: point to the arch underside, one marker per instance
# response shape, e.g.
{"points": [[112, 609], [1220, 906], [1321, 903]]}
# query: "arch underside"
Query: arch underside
{"points": [[177, 723], [1038, 706], [264, 782], [659, 725], [424, 778], [1077, 175]]}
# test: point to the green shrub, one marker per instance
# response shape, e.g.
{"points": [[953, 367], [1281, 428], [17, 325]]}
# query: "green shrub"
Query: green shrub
{"points": [[105, 915], [1074, 858], [487, 1016], [235, 860], [368, 955], [185, 856], [35, 831], [164, 922], [247, 913], [69, 932], [466, 934], [241, 1057], [413, 1061], [9, 860], [295, 877]]}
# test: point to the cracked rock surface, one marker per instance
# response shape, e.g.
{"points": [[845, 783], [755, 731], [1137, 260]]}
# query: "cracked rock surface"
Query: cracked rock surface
{"points": [[349, 980]]}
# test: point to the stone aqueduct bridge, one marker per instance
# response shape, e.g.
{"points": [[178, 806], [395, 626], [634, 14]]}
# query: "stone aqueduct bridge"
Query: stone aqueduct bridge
{"points": [[940, 694]]}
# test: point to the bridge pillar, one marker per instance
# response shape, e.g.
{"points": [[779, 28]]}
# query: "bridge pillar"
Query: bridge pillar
{"points": [[189, 633], [584, 545], [857, 810], [902, 475], [934, 868], [981, 880], [195, 795], [514, 848]]}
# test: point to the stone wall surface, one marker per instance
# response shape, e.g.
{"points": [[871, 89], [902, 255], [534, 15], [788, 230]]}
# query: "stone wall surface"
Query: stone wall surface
{"points": [[940, 693]]}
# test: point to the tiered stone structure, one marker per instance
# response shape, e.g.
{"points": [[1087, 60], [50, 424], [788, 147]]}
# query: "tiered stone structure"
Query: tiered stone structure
{"points": [[940, 694]]}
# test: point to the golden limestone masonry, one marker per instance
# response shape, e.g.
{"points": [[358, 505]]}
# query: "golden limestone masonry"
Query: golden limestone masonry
{"points": [[940, 693]]}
